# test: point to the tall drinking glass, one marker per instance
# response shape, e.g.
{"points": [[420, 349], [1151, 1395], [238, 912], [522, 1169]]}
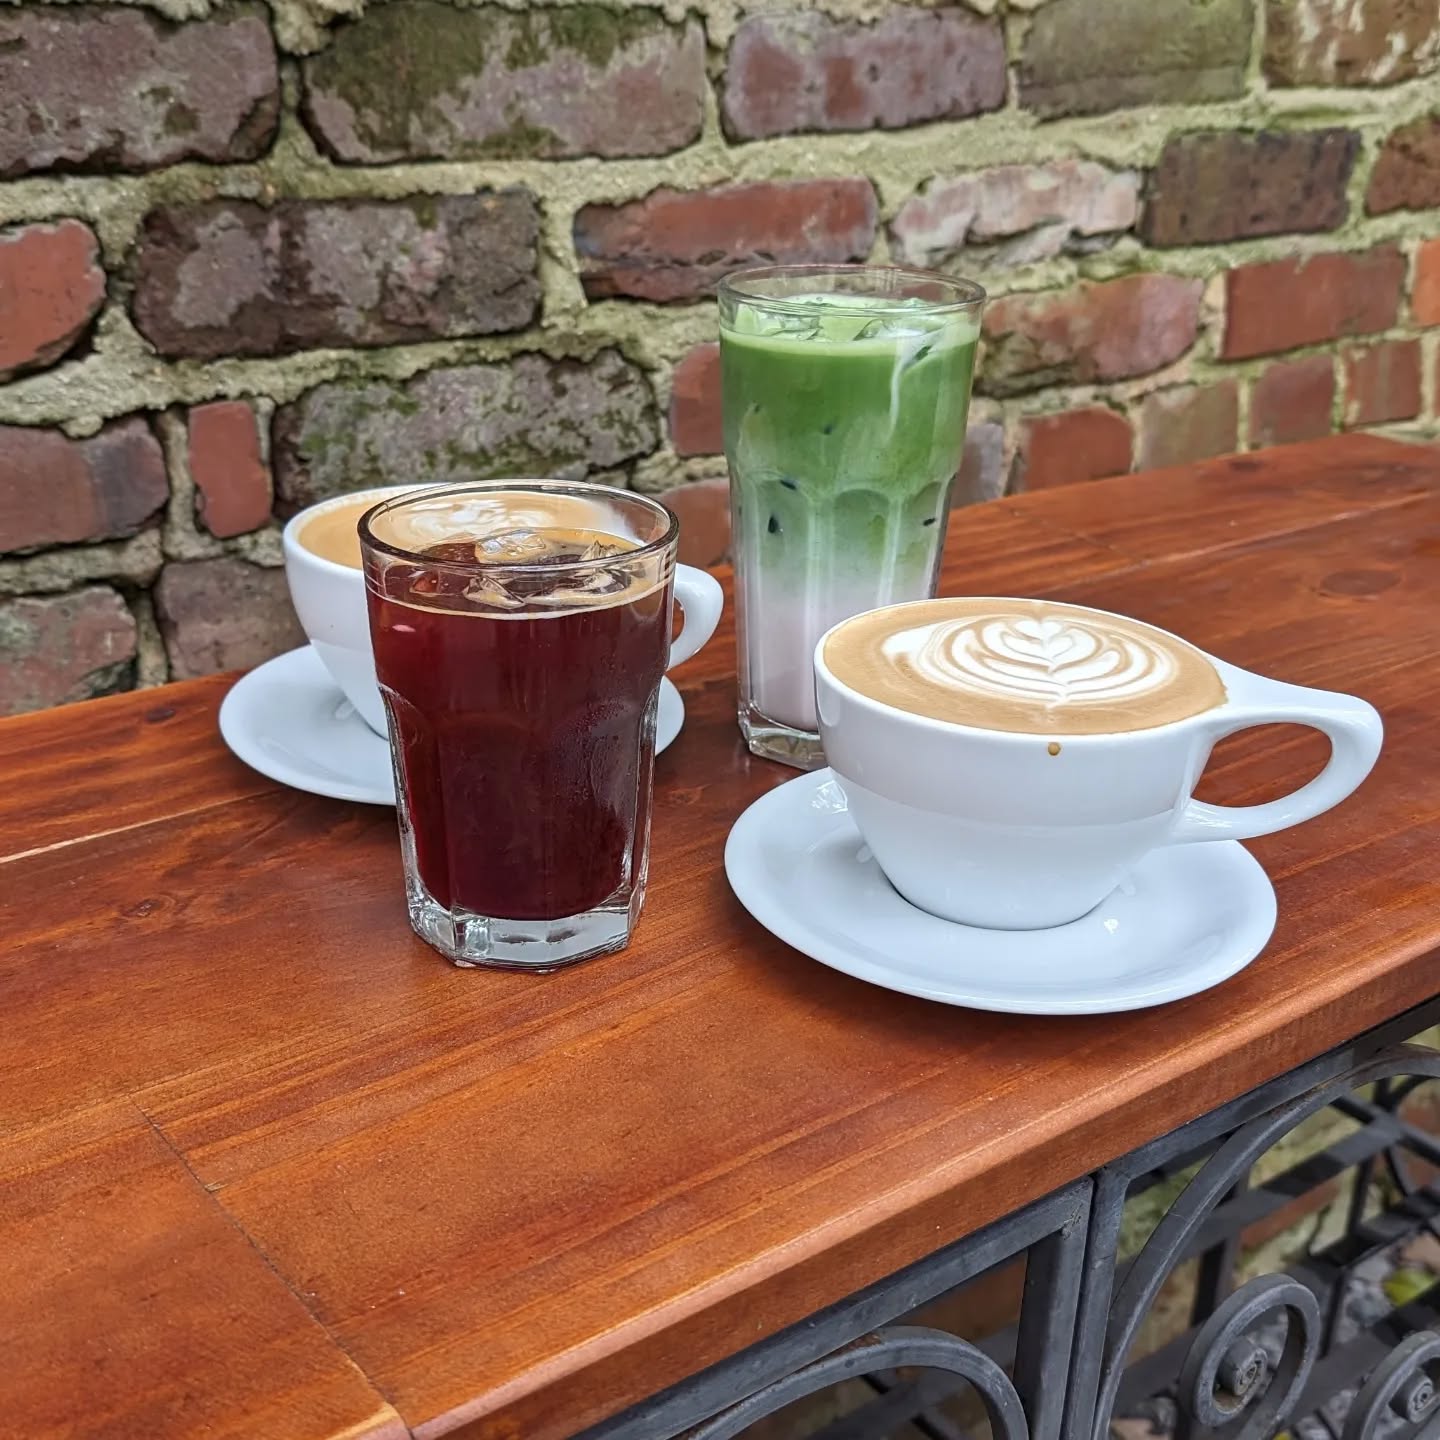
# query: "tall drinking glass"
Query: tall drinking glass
{"points": [[845, 396], [520, 631]]}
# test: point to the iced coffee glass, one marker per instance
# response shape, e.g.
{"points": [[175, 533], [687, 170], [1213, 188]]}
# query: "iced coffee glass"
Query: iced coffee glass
{"points": [[846, 391], [520, 631]]}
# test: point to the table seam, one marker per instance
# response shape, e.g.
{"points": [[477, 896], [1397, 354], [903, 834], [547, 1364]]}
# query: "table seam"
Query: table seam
{"points": [[212, 1198]]}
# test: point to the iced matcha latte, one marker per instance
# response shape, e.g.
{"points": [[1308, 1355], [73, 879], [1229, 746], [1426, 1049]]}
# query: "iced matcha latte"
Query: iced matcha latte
{"points": [[845, 396]]}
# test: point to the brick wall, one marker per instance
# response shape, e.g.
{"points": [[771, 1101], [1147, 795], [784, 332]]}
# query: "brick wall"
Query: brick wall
{"points": [[252, 255]]}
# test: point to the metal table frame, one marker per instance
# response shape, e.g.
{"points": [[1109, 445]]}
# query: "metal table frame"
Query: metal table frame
{"points": [[1061, 1372]]}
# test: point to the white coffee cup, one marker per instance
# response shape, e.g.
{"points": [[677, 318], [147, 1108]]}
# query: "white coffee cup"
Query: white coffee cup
{"points": [[1015, 831], [329, 599]]}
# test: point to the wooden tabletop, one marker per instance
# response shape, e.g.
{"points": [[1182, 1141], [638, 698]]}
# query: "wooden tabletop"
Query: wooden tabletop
{"points": [[269, 1167]]}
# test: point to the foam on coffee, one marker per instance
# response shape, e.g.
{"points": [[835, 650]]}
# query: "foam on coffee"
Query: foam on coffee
{"points": [[502, 530], [1030, 667], [332, 531], [482, 518], [514, 554]]}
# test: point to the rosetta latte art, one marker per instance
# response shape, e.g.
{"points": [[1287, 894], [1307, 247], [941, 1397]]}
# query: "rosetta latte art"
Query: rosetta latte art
{"points": [[1046, 661], [1032, 667]]}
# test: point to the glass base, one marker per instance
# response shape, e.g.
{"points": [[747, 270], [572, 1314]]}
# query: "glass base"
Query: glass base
{"points": [[475, 941], [774, 740]]}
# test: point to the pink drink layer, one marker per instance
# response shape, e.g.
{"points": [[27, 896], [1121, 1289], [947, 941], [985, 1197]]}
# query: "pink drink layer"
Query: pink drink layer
{"points": [[782, 645]]}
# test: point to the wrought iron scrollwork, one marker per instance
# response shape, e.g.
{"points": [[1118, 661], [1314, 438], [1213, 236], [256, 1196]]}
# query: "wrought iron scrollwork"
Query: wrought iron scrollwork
{"points": [[1406, 1383], [1225, 1348], [895, 1347], [1227, 1382]]}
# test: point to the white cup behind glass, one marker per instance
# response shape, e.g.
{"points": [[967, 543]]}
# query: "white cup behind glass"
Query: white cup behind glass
{"points": [[329, 599], [1016, 831]]}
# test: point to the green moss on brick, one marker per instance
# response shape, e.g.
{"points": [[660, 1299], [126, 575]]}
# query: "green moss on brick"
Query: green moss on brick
{"points": [[180, 119], [635, 434], [593, 31], [315, 443], [397, 66], [520, 142], [511, 458], [425, 209]]}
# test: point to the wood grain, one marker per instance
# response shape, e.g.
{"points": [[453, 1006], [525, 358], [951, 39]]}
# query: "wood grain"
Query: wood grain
{"points": [[157, 761], [176, 1325], [1192, 510], [522, 1203]]}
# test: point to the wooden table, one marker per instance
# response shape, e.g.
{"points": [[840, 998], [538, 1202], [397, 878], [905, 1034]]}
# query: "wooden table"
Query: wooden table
{"points": [[269, 1168]]}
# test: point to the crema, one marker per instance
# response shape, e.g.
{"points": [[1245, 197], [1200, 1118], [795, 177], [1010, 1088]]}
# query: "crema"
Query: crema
{"points": [[1025, 666]]}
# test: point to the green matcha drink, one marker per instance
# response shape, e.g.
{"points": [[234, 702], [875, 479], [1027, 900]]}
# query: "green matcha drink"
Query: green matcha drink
{"points": [[845, 396]]}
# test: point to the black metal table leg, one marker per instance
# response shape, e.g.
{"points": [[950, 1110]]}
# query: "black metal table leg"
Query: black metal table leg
{"points": [[857, 1337], [1264, 1356]]}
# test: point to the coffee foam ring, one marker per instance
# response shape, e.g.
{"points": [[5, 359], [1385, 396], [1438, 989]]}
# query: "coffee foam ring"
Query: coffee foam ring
{"points": [[423, 523]]}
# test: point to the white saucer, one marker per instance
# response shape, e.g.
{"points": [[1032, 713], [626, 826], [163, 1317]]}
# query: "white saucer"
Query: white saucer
{"points": [[289, 720], [1191, 916]]}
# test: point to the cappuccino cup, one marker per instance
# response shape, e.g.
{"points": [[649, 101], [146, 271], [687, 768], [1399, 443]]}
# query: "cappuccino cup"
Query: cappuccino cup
{"points": [[327, 588], [1008, 761]]}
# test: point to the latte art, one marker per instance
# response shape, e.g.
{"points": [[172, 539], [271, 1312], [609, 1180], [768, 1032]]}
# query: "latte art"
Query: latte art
{"points": [[1052, 661], [1027, 666]]}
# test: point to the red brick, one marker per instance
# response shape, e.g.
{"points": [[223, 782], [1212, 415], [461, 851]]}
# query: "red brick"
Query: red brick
{"points": [[1293, 401], [89, 87], [1074, 445], [1350, 42], [1190, 422], [675, 245], [1282, 304], [1035, 211], [509, 83], [223, 615], [1425, 296], [64, 647], [1225, 185], [1407, 170], [806, 71], [51, 287], [1091, 333], [1084, 57], [231, 478], [334, 272], [1382, 382], [703, 507], [56, 491], [695, 427]]}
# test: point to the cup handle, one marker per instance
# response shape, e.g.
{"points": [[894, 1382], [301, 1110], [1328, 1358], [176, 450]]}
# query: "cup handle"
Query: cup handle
{"points": [[702, 600], [1353, 727]]}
